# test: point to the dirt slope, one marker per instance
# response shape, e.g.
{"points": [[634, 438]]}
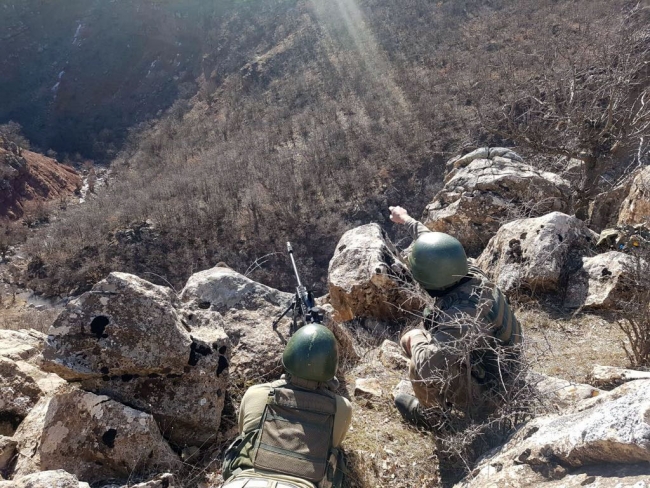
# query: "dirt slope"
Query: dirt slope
{"points": [[27, 178]]}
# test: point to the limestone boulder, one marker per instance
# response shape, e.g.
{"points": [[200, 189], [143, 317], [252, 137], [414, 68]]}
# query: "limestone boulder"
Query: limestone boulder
{"points": [[604, 209], [131, 340], [18, 395], [367, 388], [609, 431], [391, 356], [91, 437], [404, 387], [536, 255], [23, 345], [605, 281], [246, 310], [635, 209], [561, 393], [367, 279], [46, 479], [610, 376], [487, 187]]}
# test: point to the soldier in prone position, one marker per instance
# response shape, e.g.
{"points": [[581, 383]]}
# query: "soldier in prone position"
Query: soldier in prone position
{"points": [[468, 309], [290, 430]]}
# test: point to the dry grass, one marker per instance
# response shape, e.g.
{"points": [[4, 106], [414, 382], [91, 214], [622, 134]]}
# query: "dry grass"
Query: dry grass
{"points": [[570, 346], [381, 449], [27, 318]]}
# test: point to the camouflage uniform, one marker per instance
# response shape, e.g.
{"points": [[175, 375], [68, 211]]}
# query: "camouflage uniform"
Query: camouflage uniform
{"points": [[443, 371]]}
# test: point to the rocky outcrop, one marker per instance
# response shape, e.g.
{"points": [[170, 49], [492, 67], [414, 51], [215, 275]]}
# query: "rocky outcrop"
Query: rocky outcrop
{"points": [[635, 209], [607, 431], [46, 479], [536, 255], [605, 281], [18, 394], [487, 187], [367, 279], [604, 209], [92, 437], [129, 339], [562, 393], [609, 376], [21, 344], [246, 311]]}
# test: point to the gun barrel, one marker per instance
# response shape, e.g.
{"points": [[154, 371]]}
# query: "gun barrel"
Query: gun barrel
{"points": [[293, 262]]}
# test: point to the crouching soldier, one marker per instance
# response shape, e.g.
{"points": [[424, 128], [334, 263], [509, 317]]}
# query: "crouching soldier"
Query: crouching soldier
{"points": [[470, 341], [290, 430]]}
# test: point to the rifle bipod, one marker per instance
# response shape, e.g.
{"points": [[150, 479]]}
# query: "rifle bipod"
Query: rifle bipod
{"points": [[303, 305]]}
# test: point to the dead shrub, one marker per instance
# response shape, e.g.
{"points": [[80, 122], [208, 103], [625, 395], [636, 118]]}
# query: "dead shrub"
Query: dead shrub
{"points": [[635, 311]]}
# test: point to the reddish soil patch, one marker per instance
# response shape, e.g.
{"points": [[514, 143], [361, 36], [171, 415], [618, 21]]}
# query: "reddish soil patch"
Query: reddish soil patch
{"points": [[28, 178]]}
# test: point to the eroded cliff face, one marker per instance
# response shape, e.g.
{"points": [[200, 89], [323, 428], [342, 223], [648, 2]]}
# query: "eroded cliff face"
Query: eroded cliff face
{"points": [[26, 176], [77, 74]]}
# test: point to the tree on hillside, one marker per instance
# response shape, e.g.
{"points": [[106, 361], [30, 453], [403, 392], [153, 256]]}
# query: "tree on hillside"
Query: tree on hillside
{"points": [[587, 99]]}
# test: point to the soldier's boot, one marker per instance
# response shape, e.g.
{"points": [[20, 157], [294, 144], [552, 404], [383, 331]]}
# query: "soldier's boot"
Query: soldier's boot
{"points": [[411, 410]]}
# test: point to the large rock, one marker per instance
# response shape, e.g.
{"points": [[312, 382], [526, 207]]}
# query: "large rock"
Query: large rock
{"points": [[367, 279], [46, 479], [605, 281], [246, 309], [486, 188], [561, 393], [392, 357], [18, 394], [21, 344], [92, 437], [604, 209], [610, 430], [635, 209], [609, 376], [538, 254], [129, 339]]}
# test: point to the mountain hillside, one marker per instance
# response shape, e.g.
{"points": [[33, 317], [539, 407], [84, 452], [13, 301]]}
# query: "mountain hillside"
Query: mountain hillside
{"points": [[311, 117], [78, 74]]}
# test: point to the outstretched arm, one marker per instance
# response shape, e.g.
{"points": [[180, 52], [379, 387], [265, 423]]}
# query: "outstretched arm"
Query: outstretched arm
{"points": [[400, 216]]}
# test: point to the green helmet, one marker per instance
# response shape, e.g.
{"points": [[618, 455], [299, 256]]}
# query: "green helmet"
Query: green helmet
{"points": [[312, 354], [437, 261]]}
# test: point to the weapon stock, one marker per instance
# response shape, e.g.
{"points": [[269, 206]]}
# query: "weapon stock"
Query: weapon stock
{"points": [[303, 305]]}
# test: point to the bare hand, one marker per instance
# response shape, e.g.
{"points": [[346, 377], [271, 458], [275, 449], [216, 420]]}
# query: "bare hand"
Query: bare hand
{"points": [[398, 215]]}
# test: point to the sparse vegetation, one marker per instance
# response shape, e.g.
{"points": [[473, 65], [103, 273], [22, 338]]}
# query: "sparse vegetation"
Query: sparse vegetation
{"points": [[13, 132], [11, 234], [635, 312], [327, 127], [579, 91]]}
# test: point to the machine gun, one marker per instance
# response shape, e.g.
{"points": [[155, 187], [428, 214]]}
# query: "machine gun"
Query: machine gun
{"points": [[303, 307]]}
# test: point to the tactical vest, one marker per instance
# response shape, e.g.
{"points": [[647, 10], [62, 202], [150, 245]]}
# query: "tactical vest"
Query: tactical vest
{"points": [[294, 438], [296, 433], [503, 323]]}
